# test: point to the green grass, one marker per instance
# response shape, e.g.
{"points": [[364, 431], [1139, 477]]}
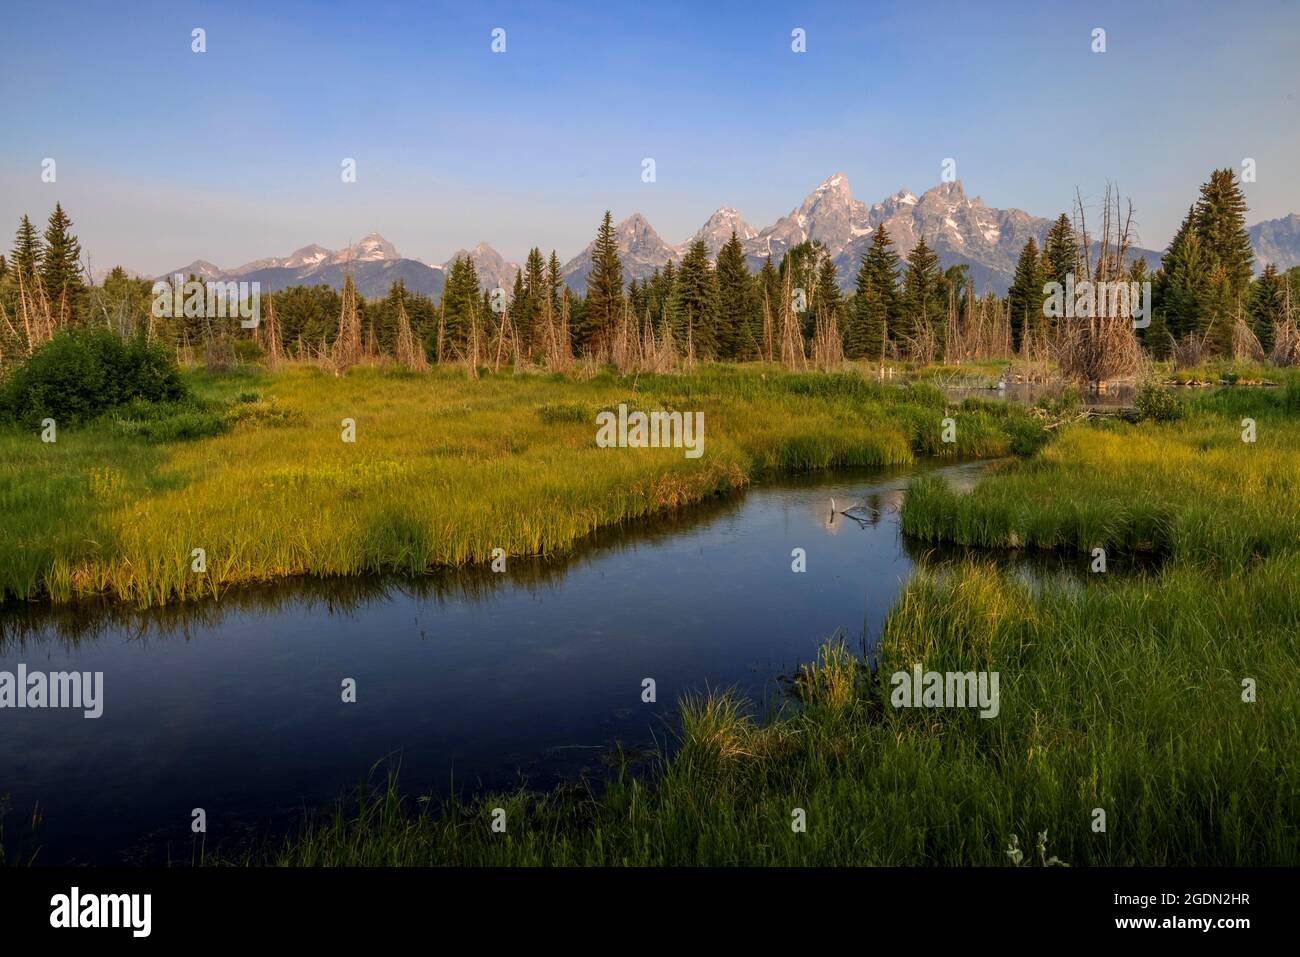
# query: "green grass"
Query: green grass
{"points": [[1124, 697], [1123, 694], [443, 471], [1191, 489]]}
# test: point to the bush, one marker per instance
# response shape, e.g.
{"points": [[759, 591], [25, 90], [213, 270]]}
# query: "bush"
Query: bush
{"points": [[80, 374], [1155, 403]]}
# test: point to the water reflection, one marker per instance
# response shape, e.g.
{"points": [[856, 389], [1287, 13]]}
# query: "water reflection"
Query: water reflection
{"points": [[475, 679]]}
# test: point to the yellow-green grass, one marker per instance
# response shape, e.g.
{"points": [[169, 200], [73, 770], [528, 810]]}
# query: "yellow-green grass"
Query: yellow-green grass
{"points": [[1169, 702], [1192, 489], [443, 471]]}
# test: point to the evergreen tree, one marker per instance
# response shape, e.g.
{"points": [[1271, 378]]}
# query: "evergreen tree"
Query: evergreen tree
{"points": [[536, 288], [1062, 251], [826, 292], [923, 305], [520, 304], [554, 281], [736, 305], [869, 318], [803, 264], [1196, 293], [604, 289], [666, 317], [460, 302], [1163, 323], [1221, 227], [885, 267], [27, 253], [1267, 305], [1025, 298], [695, 302], [638, 297], [61, 266], [956, 280]]}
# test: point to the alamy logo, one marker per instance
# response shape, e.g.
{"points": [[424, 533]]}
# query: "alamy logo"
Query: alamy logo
{"points": [[103, 910], [57, 689], [948, 689], [1103, 299], [654, 430], [212, 300]]}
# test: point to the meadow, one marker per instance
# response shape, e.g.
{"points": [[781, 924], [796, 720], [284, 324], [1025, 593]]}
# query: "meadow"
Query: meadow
{"points": [[1127, 734], [443, 470], [1123, 700]]}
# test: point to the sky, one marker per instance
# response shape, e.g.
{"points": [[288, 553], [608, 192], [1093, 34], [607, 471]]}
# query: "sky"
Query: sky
{"points": [[164, 155]]}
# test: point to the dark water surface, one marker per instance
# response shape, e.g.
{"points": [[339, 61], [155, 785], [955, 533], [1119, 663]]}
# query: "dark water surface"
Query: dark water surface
{"points": [[471, 678]]}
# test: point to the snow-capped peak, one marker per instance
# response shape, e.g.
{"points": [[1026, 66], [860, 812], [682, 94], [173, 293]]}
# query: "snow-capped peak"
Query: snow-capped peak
{"points": [[370, 248]]}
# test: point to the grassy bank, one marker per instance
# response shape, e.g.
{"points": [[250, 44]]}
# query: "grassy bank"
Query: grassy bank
{"points": [[1192, 489], [1123, 694], [1124, 697], [443, 470]]}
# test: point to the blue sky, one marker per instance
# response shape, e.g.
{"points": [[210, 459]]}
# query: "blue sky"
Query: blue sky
{"points": [[165, 156]]}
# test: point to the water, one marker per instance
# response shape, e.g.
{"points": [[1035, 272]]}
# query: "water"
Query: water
{"points": [[1028, 393], [470, 678]]}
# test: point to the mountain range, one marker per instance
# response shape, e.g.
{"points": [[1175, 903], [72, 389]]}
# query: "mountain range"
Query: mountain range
{"points": [[961, 230]]}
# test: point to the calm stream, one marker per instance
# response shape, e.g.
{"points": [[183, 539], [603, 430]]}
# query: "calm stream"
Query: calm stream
{"points": [[467, 679]]}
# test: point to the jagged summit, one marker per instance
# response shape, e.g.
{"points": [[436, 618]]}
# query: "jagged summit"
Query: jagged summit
{"points": [[961, 229]]}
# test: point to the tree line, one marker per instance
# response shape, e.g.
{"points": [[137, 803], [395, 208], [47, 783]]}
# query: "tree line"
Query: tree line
{"points": [[1206, 301]]}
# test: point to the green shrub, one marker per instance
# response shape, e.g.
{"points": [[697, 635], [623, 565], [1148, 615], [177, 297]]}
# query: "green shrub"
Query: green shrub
{"points": [[1155, 403], [80, 374]]}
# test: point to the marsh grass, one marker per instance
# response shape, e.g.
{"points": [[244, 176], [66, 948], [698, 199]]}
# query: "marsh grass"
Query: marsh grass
{"points": [[1191, 489], [443, 470], [1124, 695]]}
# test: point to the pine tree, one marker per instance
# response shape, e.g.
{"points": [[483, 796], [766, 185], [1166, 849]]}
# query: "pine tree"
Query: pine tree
{"points": [[61, 267], [554, 281], [1025, 298], [884, 265], [459, 306], [826, 291], [736, 305], [604, 289], [1221, 226], [1164, 324], [520, 305], [666, 317], [695, 302], [27, 252], [802, 264], [1192, 300], [922, 306], [1062, 251], [1267, 305], [869, 321], [535, 287]]}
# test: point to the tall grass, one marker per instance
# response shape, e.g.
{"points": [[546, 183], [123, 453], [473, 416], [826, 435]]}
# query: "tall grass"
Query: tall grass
{"points": [[1121, 697], [443, 471], [1124, 697], [1193, 489]]}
